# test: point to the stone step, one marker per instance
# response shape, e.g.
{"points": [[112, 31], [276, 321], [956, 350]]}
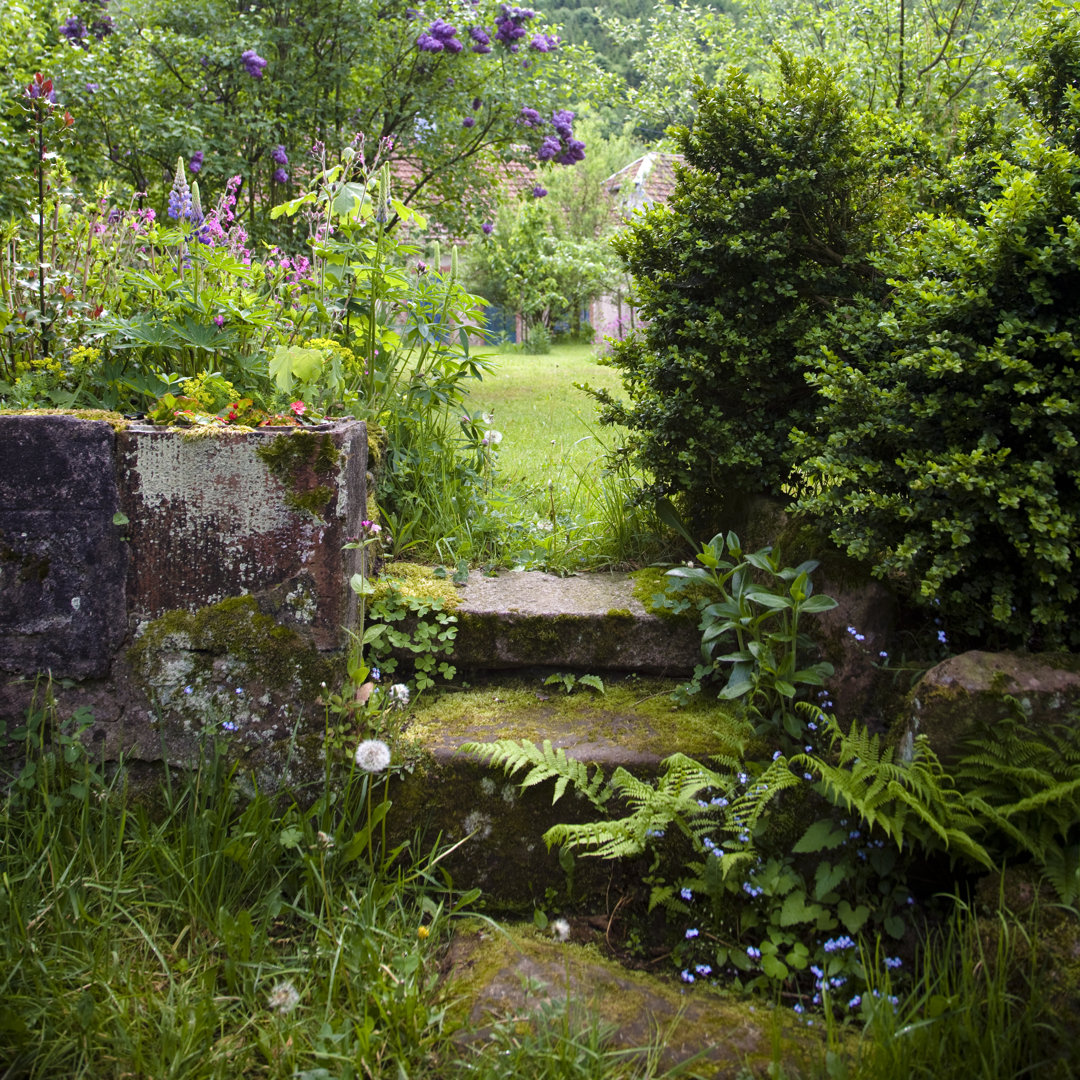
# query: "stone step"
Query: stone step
{"points": [[588, 622], [633, 724]]}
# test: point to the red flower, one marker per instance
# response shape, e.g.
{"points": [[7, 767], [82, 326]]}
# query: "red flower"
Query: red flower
{"points": [[298, 407]]}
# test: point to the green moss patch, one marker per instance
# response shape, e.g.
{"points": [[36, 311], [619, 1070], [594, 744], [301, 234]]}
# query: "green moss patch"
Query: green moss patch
{"points": [[635, 717], [413, 581], [293, 459]]}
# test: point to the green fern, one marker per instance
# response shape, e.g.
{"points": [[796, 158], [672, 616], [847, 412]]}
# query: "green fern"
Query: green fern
{"points": [[672, 800], [543, 763], [909, 801], [1024, 785]]}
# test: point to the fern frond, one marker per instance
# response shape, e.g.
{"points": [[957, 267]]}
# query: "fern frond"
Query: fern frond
{"points": [[543, 763]]}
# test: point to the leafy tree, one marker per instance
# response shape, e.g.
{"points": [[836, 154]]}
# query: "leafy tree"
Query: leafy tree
{"points": [[248, 90], [769, 228], [948, 445]]}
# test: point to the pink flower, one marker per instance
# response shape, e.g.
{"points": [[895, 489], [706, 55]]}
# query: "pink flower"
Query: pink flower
{"points": [[298, 407]]}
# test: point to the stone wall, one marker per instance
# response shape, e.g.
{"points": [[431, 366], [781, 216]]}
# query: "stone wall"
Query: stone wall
{"points": [[128, 552]]}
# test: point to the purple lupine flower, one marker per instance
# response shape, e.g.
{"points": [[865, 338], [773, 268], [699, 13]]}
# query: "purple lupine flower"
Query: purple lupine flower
{"points": [[539, 192], [281, 176], [74, 30], [530, 118], [278, 155], [179, 208], [218, 321], [487, 228], [253, 63], [195, 164]]}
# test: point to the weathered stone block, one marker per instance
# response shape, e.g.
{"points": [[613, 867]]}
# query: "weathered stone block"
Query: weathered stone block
{"points": [[262, 512], [951, 699], [63, 561]]}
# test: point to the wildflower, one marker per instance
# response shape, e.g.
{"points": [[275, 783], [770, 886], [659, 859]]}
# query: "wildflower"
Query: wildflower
{"points": [[180, 206], [284, 998], [855, 1002], [487, 228], [218, 321], [703, 969], [421, 267], [188, 689], [422, 932], [893, 962], [691, 933], [240, 690], [326, 841], [228, 725], [776, 755], [298, 408], [797, 1007], [376, 674], [253, 63], [686, 976], [686, 894], [754, 954], [942, 638], [399, 695], [560, 930], [839, 944], [373, 755]]}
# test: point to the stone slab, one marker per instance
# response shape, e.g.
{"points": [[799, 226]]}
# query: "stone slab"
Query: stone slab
{"points": [[587, 622], [63, 562], [209, 520]]}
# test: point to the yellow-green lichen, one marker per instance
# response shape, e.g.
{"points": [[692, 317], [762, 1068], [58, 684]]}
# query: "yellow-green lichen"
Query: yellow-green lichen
{"points": [[413, 581]]}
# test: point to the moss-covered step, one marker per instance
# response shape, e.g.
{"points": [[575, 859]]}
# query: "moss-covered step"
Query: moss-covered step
{"points": [[632, 724], [515, 974], [589, 622]]}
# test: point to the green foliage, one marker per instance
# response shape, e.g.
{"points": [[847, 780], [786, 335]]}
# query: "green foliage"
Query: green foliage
{"points": [[946, 444], [568, 681], [542, 763], [1024, 785], [756, 600], [769, 227], [912, 801]]}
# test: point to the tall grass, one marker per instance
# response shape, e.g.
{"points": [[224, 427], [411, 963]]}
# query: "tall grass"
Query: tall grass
{"points": [[200, 930]]}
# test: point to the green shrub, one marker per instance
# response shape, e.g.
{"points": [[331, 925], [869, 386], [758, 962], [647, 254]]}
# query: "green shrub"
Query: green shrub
{"points": [[948, 450], [769, 226]]}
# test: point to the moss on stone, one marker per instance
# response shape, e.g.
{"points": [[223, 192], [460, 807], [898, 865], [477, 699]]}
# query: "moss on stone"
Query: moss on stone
{"points": [[413, 581], [255, 647], [115, 420], [636, 716], [290, 456]]}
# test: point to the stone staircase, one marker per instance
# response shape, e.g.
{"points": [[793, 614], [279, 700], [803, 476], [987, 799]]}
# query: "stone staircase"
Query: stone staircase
{"points": [[514, 631]]}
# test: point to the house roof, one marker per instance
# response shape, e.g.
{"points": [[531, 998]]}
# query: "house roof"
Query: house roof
{"points": [[645, 181]]}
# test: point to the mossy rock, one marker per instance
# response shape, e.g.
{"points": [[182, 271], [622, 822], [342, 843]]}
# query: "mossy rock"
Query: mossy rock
{"points": [[231, 671], [514, 971]]}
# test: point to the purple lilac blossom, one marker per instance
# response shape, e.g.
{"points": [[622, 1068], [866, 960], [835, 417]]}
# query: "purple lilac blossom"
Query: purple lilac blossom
{"points": [[539, 192], [469, 121], [281, 176], [93, 87], [480, 35], [544, 43], [253, 63], [530, 118], [487, 228], [279, 156], [548, 148], [510, 25], [74, 30], [102, 28], [476, 103], [196, 162], [438, 36]]}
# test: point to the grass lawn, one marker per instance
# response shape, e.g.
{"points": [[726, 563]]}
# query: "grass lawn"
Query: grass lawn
{"points": [[549, 428]]}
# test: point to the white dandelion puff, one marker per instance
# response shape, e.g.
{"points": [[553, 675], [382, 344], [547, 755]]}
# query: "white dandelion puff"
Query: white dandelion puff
{"points": [[284, 998], [560, 930], [399, 695], [373, 755]]}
